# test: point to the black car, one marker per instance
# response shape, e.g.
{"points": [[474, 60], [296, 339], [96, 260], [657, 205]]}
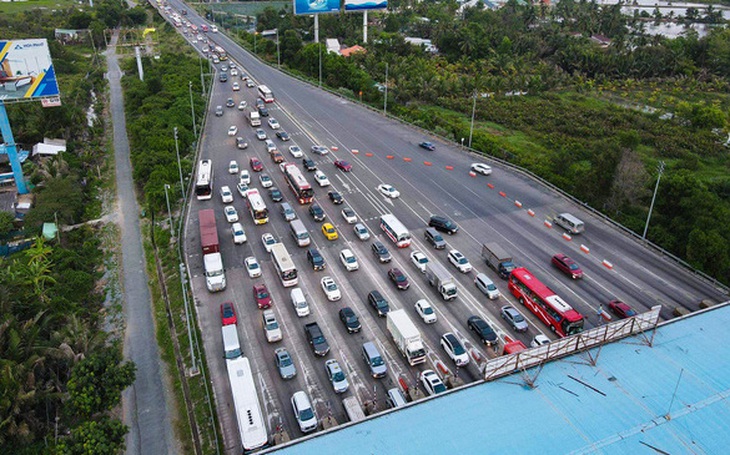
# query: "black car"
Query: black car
{"points": [[381, 252], [443, 224], [309, 164], [317, 213], [275, 194], [260, 103], [283, 135], [223, 77], [315, 258], [316, 339], [377, 301], [263, 112], [484, 331], [335, 197], [350, 319], [427, 145], [399, 279]]}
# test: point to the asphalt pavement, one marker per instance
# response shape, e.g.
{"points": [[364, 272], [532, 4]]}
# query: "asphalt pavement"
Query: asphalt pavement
{"points": [[145, 402]]}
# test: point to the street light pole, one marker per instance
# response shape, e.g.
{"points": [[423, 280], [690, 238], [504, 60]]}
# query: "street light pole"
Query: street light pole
{"points": [[183, 282], [278, 54], [319, 46], [192, 107], [385, 102], [473, 111], [179, 167], [169, 212], [653, 198]]}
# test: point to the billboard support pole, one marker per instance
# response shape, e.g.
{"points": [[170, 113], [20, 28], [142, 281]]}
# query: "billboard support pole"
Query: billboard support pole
{"points": [[10, 149], [365, 26], [316, 28]]}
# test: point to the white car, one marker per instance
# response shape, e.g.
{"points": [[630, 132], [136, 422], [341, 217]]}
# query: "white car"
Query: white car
{"points": [[231, 213], [481, 168], [361, 231], [271, 326], [245, 177], [252, 267], [296, 151], [539, 340], [349, 215], [239, 235], [336, 376], [425, 310], [234, 71], [348, 259], [419, 260], [226, 195], [242, 105], [330, 289], [270, 145], [454, 349], [459, 261], [266, 181], [232, 130], [233, 167], [269, 241], [388, 190], [250, 83], [321, 178], [273, 123], [320, 149], [261, 134], [432, 383], [242, 188], [236, 87], [304, 412]]}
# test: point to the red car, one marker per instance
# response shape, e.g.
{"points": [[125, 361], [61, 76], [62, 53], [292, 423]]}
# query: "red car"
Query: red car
{"points": [[399, 279], [567, 266], [344, 165], [620, 309], [256, 164], [262, 296], [228, 313]]}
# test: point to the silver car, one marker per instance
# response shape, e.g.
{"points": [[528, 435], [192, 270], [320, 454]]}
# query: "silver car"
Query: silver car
{"points": [[514, 318], [285, 364], [336, 376], [361, 231]]}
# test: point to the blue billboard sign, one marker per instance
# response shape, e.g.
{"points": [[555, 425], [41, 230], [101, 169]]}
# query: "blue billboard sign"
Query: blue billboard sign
{"points": [[26, 70], [316, 6], [359, 5]]}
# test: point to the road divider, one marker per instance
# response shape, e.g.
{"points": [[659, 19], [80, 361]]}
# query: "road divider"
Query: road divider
{"points": [[368, 154], [518, 203], [449, 168], [334, 149], [607, 264], [530, 212], [547, 224], [567, 236], [390, 157], [490, 186], [585, 249], [503, 194], [428, 163], [472, 174], [355, 151], [407, 160]]}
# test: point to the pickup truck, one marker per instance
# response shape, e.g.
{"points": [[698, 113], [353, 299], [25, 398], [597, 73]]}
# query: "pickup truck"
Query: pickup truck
{"points": [[316, 339]]}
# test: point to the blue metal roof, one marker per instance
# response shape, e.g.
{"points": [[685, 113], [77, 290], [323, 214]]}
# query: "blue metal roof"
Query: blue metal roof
{"points": [[671, 398]]}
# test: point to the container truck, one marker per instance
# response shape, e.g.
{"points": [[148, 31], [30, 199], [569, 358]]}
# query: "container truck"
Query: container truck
{"points": [[498, 259], [208, 231], [215, 275], [440, 278], [406, 336]]}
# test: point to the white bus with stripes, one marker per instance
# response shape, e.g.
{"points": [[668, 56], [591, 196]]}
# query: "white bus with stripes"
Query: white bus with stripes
{"points": [[257, 207], [251, 423], [395, 230]]}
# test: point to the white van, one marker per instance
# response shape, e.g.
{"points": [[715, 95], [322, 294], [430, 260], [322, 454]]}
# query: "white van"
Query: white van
{"points": [[270, 146], [231, 346], [570, 223], [304, 412], [487, 286], [300, 233], [299, 302], [395, 398]]}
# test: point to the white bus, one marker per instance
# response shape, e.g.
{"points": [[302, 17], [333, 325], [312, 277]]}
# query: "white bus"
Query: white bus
{"points": [[266, 94], [251, 424], [257, 207], [284, 265], [395, 230], [204, 183]]}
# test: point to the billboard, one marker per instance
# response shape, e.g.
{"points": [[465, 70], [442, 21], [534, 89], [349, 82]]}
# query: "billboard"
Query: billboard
{"points": [[26, 70], [359, 5], [316, 6]]}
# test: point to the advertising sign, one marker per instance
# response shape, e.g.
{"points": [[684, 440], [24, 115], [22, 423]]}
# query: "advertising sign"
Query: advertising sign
{"points": [[359, 5], [316, 6], [26, 70]]}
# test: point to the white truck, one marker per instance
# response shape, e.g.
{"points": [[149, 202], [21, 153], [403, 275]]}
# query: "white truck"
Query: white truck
{"points": [[353, 409], [438, 276], [254, 118], [406, 336], [215, 275]]}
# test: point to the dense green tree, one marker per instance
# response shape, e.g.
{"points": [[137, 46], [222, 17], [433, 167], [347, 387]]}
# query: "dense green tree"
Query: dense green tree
{"points": [[6, 223], [95, 437], [97, 382]]}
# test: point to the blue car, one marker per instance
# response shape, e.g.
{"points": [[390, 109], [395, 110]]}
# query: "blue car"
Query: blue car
{"points": [[427, 146]]}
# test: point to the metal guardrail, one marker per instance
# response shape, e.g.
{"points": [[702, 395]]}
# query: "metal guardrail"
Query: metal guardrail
{"points": [[608, 333]]}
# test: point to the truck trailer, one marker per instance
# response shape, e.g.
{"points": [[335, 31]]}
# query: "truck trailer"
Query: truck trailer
{"points": [[406, 336]]}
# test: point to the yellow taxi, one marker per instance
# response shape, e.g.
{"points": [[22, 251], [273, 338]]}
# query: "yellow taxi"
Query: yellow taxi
{"points": [[329, 231]]}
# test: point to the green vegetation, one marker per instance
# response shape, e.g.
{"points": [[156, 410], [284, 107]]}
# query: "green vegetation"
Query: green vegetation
{"points": [[593, 120], [11, 8]]}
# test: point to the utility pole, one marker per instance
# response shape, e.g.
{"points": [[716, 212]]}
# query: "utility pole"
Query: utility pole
{"points": [[179, 167], [385, 101], [278, 53], [653, 198], [183, 282], [169, 212], [192, 107], [473, 111], [319, 46]]}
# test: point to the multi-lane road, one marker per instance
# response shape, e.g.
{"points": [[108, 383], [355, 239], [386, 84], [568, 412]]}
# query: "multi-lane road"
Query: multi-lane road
{"points": [[388, 152]]}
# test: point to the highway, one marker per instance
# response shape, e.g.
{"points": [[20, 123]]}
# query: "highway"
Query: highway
{"points": [[430, 182]]}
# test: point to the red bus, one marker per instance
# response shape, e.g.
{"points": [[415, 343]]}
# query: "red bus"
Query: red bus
{"points": [[302, 189], [544, 303]]}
